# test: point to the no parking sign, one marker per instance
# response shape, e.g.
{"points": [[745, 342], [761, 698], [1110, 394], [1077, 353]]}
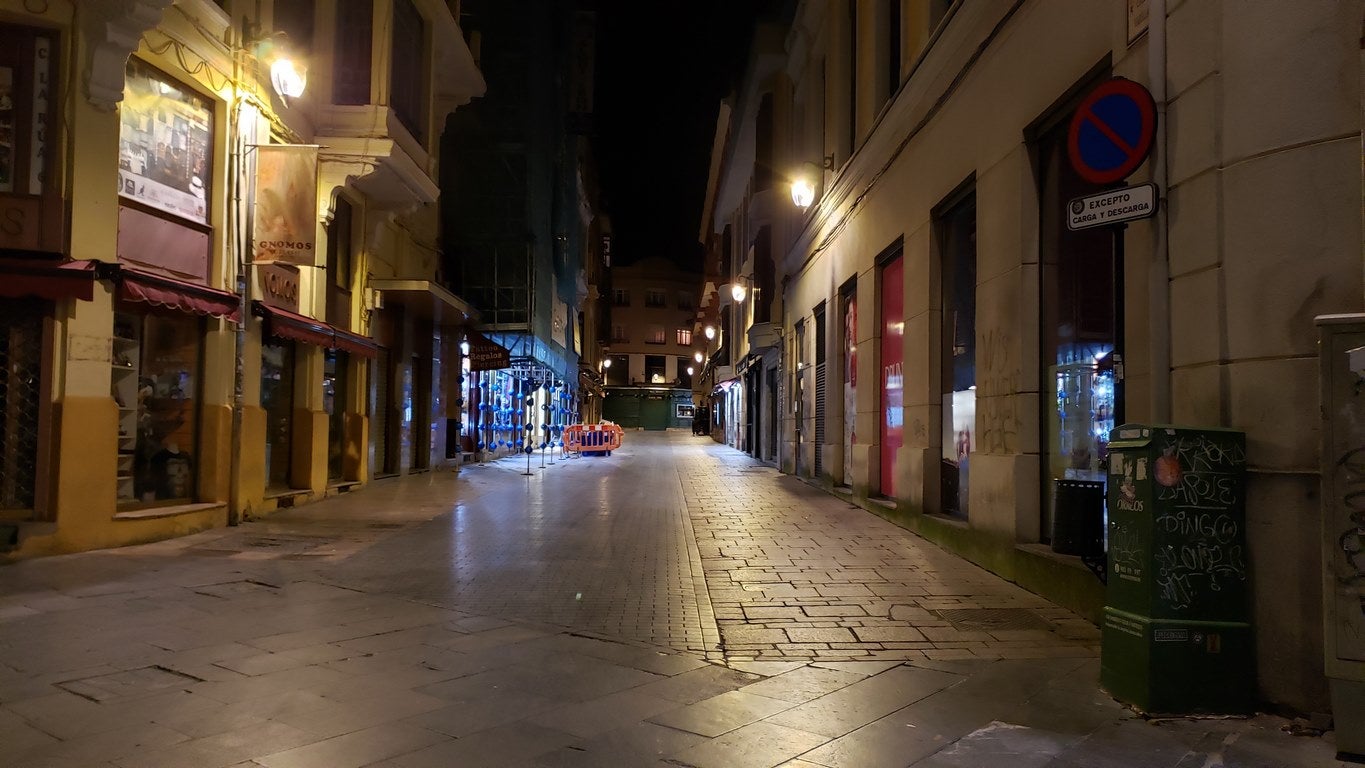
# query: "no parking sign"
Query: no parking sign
{"points": [[1111, 132]]}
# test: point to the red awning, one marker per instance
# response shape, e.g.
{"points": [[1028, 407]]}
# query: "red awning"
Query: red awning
{"points": [[283, 324], [354, 343], [167, 293], [47, 279]]}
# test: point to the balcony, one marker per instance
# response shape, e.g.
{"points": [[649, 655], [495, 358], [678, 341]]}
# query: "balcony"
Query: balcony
{"points": [[764, 336]]}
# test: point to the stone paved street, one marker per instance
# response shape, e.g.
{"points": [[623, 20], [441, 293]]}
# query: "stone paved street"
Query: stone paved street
{"points": [[675, 604]]}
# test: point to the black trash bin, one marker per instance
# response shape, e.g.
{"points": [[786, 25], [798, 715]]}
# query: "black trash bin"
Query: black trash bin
{"points": [[1078, 517]]}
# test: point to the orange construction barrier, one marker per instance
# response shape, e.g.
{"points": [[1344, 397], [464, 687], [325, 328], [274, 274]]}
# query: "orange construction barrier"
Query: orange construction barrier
{"points": [[592, 438]]}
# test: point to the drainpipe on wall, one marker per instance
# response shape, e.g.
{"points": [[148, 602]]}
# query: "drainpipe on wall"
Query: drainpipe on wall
{"points": [[1159, 277]]}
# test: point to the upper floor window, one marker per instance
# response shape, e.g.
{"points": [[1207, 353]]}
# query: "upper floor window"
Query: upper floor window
{"points": [[620, 297], [656, 299], [408, 81], [618, 333], [351, 60], [656, 335], [295, 19], [684, 337], [685, 300], [27, 107]]}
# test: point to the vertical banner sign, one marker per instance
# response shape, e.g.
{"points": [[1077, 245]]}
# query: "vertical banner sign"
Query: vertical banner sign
{"points": [[42, 57], [850, 381], [285, 226], [893, 394]]}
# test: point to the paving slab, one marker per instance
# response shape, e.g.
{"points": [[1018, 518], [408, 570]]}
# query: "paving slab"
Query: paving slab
{"points": [[700, 610]]}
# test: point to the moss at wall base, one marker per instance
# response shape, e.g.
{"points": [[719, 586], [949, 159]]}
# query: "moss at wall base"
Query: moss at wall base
{"points": [[1055, 577]]}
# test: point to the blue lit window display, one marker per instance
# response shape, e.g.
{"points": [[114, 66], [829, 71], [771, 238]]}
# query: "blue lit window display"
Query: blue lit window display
{"points": [[1085, 410]]}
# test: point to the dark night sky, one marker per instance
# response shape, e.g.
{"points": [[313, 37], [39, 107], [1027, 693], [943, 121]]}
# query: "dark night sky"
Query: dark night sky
{"points": [[662, 70]]}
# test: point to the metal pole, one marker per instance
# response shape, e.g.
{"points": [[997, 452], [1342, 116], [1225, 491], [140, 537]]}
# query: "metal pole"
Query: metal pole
{"points": [[239, 340]]}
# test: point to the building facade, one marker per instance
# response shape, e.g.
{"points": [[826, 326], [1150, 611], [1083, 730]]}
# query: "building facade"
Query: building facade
{"points": [[224, 296], [522, 218], [653, 350], [951, 353]]}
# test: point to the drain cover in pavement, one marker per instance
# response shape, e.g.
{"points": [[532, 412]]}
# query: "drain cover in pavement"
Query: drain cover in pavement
{"points": [[994, 618], [236, 588], [128, 683]]}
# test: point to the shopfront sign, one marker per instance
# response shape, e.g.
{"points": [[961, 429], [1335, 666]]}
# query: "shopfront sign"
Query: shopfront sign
{"points": [[278, 285], [284, 228], [486, 354], [1112, 207]]}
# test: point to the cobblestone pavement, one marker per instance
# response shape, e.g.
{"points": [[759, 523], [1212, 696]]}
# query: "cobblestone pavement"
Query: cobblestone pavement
{"points": [[565, 620], [795, 573]]}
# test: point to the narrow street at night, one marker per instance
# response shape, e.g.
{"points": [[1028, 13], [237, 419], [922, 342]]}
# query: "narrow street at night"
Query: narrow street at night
{"points": [[673, 604]]}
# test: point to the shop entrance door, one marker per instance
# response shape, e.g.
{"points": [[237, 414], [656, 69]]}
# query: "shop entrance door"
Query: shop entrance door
{"points": [[21, 336], [380, 427], [1081, 331]]}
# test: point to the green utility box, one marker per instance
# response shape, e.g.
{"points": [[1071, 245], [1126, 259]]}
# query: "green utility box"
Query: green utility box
{"points": [[1176, 635]]}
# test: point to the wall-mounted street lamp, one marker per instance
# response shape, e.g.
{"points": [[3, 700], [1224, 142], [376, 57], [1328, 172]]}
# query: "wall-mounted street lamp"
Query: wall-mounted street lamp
{"points": [[606, 363], [740, 288], [710, 332], [287, 78], [803, 184], [698, 356], [689, 370]]}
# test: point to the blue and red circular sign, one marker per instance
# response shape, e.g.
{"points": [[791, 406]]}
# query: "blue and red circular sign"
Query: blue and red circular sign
{"points": [[1111, 131]]}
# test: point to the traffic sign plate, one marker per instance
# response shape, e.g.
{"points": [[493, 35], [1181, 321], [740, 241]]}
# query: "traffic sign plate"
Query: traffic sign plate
{"points": [[1114, 206], [1111, 131]]}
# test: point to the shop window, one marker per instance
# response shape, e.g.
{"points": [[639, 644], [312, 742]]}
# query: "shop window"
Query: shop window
{"points": [[684, 337], [335, 378], [277, 400], [656, 299], [656, 367], [892, 332], [618, 373], [156, 362], [848, 299], [1081, 331], [685, 364], [956, 230]]}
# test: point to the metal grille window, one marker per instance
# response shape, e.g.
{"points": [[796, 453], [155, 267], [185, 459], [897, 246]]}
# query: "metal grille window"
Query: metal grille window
{"points": [[819, 419], [656, 299], [21, 333], [618, 333], [656, 335]]}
